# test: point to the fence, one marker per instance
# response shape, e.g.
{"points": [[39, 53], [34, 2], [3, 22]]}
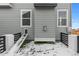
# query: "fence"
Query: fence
{"points": [[64, 38]]}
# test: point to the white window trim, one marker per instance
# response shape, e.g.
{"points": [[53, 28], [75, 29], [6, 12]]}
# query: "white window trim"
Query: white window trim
{"points": [[26, 18], [58, 17]]}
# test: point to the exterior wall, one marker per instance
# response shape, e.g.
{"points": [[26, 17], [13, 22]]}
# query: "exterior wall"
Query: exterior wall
{"points": [[48, 17], [64, 29], [10, 21], [45, 17]]}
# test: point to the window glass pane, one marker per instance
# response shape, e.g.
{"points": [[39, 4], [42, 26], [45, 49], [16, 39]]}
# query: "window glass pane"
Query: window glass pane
{"points": [[26, 14], [62, 13], [26, 22], [63, 22]]}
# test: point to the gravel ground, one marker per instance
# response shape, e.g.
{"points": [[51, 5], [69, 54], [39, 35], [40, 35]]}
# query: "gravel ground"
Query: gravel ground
{"points": [[57, 49]]}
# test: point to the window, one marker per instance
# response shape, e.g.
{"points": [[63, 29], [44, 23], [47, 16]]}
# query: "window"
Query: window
{"points": [[26, 18], [62, 18]]}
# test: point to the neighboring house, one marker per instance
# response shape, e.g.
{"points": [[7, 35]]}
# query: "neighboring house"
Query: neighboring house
{"points": [[44, 21]]}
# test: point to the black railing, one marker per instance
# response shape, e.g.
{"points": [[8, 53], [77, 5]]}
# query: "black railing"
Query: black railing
{"points": [[2, 44], [77, 44], [17, 36], [64, 38]]}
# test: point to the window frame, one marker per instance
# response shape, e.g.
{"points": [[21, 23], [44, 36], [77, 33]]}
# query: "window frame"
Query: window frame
{"points": [[26, 18], [62, 18]]}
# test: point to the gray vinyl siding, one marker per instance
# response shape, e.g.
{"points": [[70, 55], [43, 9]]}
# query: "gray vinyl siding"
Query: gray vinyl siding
{"points": [[48, 17], [45, 17], [10, 20], [64, 29]]}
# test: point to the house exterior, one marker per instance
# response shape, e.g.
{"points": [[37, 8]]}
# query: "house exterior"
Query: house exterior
{"points": [[46, 20]]}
